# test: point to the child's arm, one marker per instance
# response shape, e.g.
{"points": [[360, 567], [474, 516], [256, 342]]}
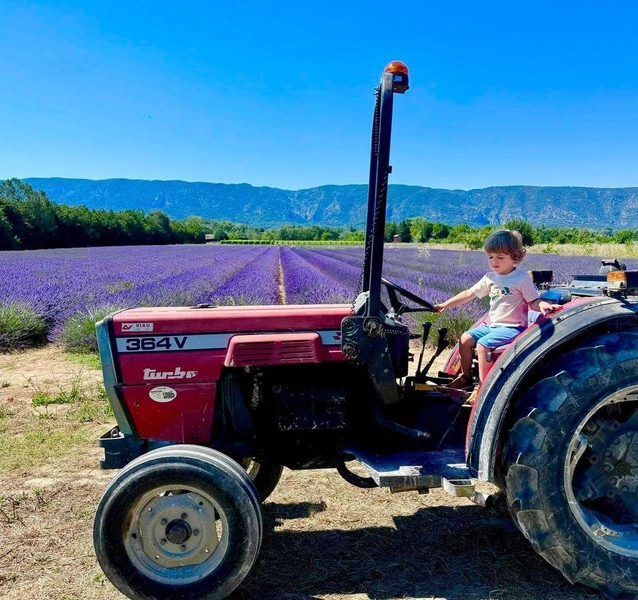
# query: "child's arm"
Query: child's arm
{"points": [[461, 298], [542, 307], [530, 294]]}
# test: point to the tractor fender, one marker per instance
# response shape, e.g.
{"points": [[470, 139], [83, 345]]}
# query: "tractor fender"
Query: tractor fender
{"points": [[514, 367]]}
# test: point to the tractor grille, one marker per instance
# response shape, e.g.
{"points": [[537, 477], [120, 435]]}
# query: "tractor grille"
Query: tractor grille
{"points": [[276, 350]]}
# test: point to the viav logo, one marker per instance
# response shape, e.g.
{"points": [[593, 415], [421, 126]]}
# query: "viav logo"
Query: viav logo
{"points": [[137, 327], [153, 375]]}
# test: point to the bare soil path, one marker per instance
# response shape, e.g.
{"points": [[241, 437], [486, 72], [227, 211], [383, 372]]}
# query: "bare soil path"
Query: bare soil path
{"points": [[324, 539]]}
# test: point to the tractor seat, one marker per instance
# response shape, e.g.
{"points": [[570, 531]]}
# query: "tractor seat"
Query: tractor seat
{"points": [[532, 317]]}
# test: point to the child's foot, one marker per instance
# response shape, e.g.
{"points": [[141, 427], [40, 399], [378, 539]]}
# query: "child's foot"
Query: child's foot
{"points": [[461, 381], [472, 397]]}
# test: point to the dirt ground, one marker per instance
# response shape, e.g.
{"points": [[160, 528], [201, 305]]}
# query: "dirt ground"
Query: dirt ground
{"points": [[324, 539]]}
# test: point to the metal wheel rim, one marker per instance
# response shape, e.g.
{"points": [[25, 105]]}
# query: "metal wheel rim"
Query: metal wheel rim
{"points": [[597, 462], [158, 521]]}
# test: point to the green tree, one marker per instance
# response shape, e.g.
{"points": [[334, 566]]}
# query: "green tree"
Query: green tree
{"points": [[440, 231], [625, 236], [524, 228], [30, 214], [420, 229], [7, 239], [391, 229], [459, 232], [354, 235], [404, 231]]}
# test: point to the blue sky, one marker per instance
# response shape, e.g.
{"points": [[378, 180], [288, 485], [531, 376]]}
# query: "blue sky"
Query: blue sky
{"points": [[279, 93]]}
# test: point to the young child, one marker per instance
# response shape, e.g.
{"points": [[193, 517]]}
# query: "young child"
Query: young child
{"points": [[511, 292]]}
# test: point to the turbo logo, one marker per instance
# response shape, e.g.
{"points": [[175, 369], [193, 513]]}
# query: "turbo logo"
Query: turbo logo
{"points": [[153, 375]]}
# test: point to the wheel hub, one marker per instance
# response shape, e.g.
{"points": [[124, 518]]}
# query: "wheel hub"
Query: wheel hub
{"points": [[602, 472], [174, 530], [178, 531], [621, 462]]}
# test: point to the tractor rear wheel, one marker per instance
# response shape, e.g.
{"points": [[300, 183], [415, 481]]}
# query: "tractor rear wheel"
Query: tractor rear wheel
{"points": [[265, 475], [571, 464], [182, 521]]}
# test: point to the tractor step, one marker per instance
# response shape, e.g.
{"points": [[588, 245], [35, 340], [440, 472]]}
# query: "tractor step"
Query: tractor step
{"points": [[415, 470], [461, 488]]}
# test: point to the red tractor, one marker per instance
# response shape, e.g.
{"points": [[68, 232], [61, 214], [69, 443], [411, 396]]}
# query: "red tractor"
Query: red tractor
{"points": [[212, 402]]}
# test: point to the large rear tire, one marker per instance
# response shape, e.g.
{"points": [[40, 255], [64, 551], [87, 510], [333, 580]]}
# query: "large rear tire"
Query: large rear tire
{"points": [[179, 522], [571, 464], [265, 475]]}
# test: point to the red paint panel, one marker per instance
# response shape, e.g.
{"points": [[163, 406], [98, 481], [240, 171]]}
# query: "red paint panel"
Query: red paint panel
{"points": [[186, 419], [168, 320], [274, 349], [333, 353], [171, 368]]}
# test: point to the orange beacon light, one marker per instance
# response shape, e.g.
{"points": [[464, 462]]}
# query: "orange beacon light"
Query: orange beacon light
{"points": [[400, 77]]}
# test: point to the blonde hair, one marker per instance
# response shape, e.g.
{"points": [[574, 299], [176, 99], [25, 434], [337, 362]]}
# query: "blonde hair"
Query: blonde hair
{"points": [[506, 241]]}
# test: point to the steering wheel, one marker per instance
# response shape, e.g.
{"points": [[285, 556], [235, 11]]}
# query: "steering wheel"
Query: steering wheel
{"points": [[396, 294]]}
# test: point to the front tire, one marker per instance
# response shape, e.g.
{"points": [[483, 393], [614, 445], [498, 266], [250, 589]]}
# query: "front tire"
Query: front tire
{"points": [[571, 464], [179, 522]]}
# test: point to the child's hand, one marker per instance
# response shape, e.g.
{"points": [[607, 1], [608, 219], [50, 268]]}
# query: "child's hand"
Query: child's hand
{"points": [[441, 307], [546, 307]]}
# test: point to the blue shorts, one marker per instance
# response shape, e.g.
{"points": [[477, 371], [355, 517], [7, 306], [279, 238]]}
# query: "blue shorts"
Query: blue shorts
{"points": [[494, 336]]}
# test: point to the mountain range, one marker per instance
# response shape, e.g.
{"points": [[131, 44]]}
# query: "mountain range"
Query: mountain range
{"points": [[345, 205]]}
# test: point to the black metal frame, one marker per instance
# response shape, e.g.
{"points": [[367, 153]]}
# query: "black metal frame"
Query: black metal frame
{"points": [[380, 169], [364, 332]]}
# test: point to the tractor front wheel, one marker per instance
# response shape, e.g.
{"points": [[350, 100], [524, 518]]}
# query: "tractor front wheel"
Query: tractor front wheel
{"points": [[571, 464], [264, 473], [182, 521]]}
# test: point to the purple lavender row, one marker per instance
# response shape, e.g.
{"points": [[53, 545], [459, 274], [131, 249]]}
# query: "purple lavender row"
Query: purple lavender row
{"points": [[438, 274], [60, 283], [256, 283], [306, 284], [457, 269], [414, 271], [415, 280], [347, 273]]}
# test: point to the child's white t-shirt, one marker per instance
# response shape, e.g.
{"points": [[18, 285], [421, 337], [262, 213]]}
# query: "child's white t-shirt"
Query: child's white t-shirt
{"points": [[509, 295]]}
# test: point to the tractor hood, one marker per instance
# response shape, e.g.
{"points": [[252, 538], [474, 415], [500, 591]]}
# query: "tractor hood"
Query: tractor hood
{"points": [[228, 319]]}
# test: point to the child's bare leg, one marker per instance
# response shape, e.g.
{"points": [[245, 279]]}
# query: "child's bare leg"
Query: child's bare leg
{"points": [[466, 346], [464, 378], [483, 366]]}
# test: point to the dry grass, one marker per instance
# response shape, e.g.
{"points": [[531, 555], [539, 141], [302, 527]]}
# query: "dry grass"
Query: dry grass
{"points": [[324, 539], [598, 250]]}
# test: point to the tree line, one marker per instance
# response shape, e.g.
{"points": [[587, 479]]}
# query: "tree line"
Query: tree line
{"points": [[30, 221], [421, 230]]}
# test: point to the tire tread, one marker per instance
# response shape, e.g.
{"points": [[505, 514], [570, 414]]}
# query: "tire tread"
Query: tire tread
{"points": [[543, 414]]}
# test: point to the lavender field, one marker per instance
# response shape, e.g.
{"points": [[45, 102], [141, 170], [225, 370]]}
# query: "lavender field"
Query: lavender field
{"points": [[61, 284]]}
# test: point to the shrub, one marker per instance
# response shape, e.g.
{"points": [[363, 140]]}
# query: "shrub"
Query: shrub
{"points": [[78, 333], [21, 327]]}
